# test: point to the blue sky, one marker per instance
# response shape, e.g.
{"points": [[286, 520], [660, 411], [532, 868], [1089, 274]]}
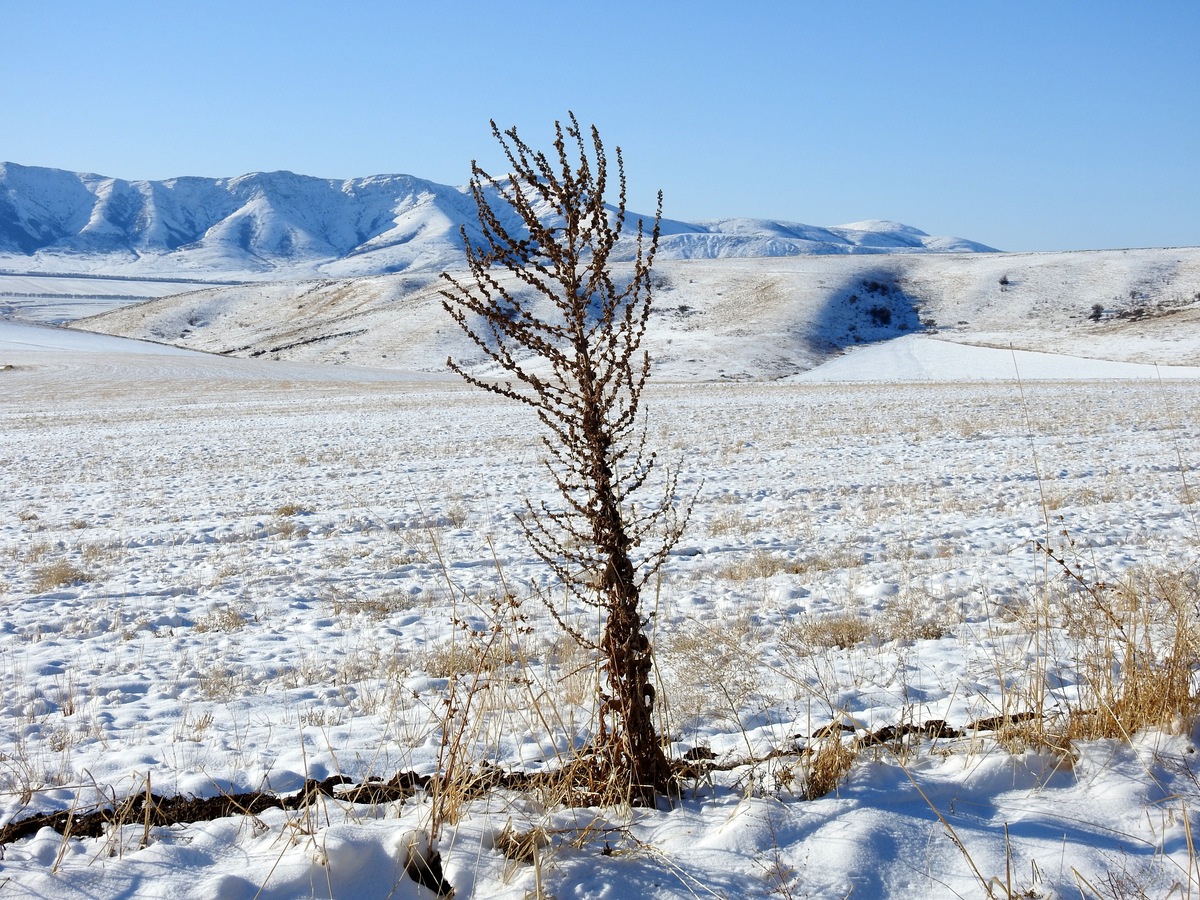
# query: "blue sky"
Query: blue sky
{"points": [[1043, 125]]}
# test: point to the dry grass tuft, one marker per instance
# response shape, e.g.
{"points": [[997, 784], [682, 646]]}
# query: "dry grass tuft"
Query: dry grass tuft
{"points": [[914, 617], [222, 683], [827, 764], [288, 529], [1141, 647], [521, 846], [902, 620], [375, 608], [452, 658], [225, 618], [449, 659], [707, 673], [94, 554], [58, 574], [840, 630], [762, 564], [574, 669], [192, 728]]}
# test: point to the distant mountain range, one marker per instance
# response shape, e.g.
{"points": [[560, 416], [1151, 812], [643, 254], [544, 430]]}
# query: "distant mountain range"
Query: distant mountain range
{"points": [[278, 224]]}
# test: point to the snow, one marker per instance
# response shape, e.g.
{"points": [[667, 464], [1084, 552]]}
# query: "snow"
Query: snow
{"points": [[18, 337], [54, 299], [919, 358], [268, 556]]}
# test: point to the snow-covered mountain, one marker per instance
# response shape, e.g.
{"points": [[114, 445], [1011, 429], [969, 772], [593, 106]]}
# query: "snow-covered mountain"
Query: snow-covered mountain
{"points": [[279, 223]]}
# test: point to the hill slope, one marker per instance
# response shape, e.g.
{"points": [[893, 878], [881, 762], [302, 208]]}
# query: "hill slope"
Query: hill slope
{"points": [[735, 318]]}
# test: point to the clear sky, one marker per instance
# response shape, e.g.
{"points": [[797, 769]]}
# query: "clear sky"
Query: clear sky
{"points": [[1043, 125]]}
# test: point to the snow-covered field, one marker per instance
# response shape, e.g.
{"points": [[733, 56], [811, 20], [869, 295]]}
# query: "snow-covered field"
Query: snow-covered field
{"points": [[225, 574], [53, 299], [921, 358]]}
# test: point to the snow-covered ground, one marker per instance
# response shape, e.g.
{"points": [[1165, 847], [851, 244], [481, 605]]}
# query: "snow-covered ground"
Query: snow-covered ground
{"points": [[226, 574], [920, 358], [54, 299]]}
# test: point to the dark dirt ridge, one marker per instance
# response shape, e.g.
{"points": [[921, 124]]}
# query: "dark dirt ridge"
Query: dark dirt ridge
{"points": [[152, 810]]}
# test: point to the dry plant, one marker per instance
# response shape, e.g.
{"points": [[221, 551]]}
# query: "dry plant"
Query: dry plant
{"points": [[288, 529], [455, 658], [826, 765], [521, 846], [568, 330], [1131, 646], [192, 728], [464, 710], [840, 630], [573, 668], [1139, 646], [226, 617], [221, 682], [375, 607], [914, 617], [729, 521], [762, 564], [32, 552], [93, 554], [59, 573], [457, 513], [708, 673]]}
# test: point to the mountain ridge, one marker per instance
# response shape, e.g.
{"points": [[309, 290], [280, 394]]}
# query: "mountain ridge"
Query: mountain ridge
{"points": [[271, 224]]}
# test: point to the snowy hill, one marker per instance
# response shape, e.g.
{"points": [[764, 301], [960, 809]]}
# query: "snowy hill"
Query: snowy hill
{"points": [[278, 223], [722, 319]]}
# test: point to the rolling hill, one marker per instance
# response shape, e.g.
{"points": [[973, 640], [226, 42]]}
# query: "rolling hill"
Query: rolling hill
{"points": [[720, 319]]}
